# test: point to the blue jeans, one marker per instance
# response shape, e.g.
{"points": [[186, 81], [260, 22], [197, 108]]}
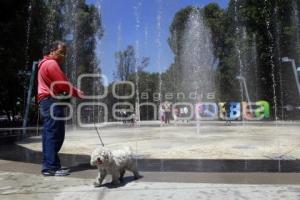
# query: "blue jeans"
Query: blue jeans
{"points": [[53, 134]]}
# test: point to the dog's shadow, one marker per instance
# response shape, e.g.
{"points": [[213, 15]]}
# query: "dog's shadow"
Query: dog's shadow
{"points": [[81, 167], [124, 182]]}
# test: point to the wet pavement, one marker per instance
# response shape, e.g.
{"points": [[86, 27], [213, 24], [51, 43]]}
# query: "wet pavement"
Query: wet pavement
{"points": [[245, 161], [249, 141], [19, 153], [22, 181]]}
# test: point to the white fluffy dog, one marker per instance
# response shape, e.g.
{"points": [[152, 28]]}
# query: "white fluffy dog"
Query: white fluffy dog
{"points": [[113, 162]]}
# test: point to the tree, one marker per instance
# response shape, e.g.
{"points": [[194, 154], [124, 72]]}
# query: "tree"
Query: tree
{"points": [[175, 42], [29, 29], [250, 37], [21, 42], [126, 63]]}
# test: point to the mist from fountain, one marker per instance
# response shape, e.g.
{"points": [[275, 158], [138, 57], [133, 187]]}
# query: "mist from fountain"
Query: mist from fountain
{"points": [[98, 114], [246, 51], [296, 23], [158, 59], [27, 91], [239, 36], [197, 58], [28, 31], [277, 43], [158, 45], [274, 85], [271, 51], [137, 46]]}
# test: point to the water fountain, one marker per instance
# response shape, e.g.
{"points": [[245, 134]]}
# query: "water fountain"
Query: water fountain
{"points": [[103, 79], [296, 22], [274, 83], [278, 50], [198, 62], [27, 102], [74, 56], [158, 45], [238, 47], [271, 52], [197, 58], [137, 44]]}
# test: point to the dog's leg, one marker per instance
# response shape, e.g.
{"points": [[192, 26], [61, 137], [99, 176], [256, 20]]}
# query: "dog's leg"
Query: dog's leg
{"points": [[97, 183], [115, 177], [101, 175], [135, 172], [122, 172]]}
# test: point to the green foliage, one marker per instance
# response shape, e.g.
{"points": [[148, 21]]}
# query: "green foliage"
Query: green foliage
{"points": [[262, 31], [249, 37], [28, 30], [177, 27], [20, 43], [126, 63]]}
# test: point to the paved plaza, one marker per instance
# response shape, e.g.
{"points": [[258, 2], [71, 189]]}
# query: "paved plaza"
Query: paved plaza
{"points": [[22, 181], [165, 155], [206, 140]]}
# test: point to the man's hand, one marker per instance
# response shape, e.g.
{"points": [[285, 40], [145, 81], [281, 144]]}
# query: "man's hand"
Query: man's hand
{"points": [[81, 94]]}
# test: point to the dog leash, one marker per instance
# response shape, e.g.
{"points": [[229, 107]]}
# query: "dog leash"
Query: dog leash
{"points": [[98, 133]]}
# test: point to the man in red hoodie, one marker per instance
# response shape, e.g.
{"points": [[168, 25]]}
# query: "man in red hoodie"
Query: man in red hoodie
{"points": [[52, 82]]}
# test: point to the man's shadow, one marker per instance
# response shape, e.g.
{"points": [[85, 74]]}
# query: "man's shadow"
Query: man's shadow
{"points": [[75, 162], [15, 152]]}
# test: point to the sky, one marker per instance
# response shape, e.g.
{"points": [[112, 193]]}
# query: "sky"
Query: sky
{"points": [[143, 24]]}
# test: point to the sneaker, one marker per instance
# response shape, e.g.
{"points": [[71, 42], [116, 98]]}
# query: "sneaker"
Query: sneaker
{"points": [[48, 173], [62, 172], [65, 169], [59, 172]]}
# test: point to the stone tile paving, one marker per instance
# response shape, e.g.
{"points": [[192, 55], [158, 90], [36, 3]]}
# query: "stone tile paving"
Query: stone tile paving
{"points": [[14, 186]]}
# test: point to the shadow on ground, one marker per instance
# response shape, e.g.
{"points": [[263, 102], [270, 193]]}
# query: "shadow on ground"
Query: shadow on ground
{"points": [[14, 152], [77, 162]]}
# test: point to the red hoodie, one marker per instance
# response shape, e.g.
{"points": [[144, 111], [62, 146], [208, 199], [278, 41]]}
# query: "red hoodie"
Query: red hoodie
{"points": [[49, 72]]}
